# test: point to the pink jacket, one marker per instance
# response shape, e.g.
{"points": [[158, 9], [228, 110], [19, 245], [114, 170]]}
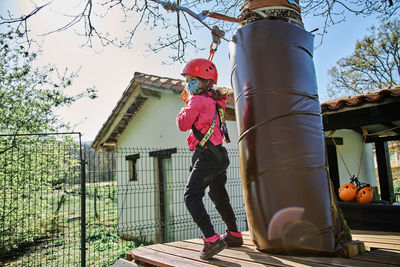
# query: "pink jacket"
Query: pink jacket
{"points": [[200, 111]]}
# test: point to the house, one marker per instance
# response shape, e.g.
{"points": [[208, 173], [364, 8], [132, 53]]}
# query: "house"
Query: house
{"points": [[153, 170], [145, 117], [158, 101]]}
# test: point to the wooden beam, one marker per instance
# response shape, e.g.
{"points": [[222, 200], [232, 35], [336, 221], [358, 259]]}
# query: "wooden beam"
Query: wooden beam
{"points": [[150, 93], [371, 216], [333, 168], [384, 171], [382, 139], [338, 141], [350, 119], [390, 125], [134, 92]]}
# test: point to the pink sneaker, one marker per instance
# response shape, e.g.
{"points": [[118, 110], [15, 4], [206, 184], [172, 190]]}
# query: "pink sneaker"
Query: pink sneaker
{"points": [[233, 239], [212, 248]]}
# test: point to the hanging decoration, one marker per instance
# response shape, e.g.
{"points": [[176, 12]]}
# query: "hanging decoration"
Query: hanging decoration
{"points": [[356, 191]]}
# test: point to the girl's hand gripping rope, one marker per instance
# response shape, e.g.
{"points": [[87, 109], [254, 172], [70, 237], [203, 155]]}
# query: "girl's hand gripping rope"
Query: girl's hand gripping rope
{"points": [[185, 96]]}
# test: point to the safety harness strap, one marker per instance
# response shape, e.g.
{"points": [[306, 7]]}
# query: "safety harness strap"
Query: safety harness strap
{"points": [[223, 124], [205, 139], [208, 133]]}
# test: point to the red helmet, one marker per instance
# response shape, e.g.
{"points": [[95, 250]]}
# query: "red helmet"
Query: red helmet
{"points": [[202, 68]]}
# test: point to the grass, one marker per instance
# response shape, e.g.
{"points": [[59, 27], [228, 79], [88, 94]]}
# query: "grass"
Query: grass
{"points": [[63, 246]]}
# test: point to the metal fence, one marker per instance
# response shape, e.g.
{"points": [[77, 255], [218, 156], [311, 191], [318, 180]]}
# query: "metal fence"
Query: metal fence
{"points": [[64, 204]]}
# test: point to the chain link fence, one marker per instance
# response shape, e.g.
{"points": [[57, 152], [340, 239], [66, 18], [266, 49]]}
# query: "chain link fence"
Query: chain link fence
{"points": [[63, 204]]}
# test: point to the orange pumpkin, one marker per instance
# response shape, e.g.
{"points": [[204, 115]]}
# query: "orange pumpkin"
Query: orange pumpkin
{"points": [[365, 194], [347, 192]]}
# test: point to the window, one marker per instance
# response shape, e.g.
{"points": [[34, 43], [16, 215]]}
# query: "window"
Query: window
{"points": [[392, 155], [132, 166]]}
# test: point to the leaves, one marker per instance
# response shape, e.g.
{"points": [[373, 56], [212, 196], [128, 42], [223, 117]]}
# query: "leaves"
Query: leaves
{"points": [[29, 95], [374, 64]]}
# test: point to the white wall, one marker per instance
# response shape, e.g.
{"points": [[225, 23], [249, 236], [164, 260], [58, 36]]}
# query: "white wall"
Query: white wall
{"points": [[154, 125], [351, 152]]}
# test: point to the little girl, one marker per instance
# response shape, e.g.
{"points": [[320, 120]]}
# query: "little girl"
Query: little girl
{"points": [[203, 114]]}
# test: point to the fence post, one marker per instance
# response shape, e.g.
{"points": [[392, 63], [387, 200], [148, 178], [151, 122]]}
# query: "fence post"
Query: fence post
{"points": [[83, 205]]}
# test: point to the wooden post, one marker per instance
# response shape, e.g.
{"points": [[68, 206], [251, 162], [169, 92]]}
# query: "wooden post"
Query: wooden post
{"points": [[384, 171], [332, 158]]}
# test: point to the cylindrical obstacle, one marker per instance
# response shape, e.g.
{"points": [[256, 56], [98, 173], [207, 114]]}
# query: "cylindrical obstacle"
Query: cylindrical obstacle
{"points": [[281, 140]]}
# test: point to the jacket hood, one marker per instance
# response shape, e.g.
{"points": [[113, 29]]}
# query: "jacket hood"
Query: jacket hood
{"points": [[221, 102]]}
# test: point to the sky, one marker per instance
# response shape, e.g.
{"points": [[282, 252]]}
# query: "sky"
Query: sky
{"points": [[110, 69]]}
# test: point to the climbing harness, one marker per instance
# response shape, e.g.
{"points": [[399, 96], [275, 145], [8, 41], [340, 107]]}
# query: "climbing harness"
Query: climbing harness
{"points": [[205, 139], [208, 134]]}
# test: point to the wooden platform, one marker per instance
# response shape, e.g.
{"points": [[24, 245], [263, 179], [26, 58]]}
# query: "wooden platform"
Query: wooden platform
{"points": [[383, 250]]}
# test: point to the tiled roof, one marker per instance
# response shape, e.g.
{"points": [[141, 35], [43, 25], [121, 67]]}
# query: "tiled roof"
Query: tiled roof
{"points": [[175, 85], [132, 100], [361, 99], [162, 82]]}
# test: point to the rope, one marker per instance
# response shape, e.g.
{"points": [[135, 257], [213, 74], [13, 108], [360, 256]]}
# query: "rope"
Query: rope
{"points": [[340, 154], [384, 131], [365, 133], [212, 52]]}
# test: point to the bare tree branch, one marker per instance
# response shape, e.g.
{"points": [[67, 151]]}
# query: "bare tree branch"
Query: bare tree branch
{"points": [[148, 14]]}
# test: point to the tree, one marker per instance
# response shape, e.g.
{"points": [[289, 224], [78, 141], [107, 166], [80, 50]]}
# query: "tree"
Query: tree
{"points": [[374, 64], [28, 94], [34, 168], [86, 17]]}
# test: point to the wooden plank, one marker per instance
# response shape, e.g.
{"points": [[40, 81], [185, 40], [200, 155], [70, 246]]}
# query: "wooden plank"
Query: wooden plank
{"points": [[378, 245], [384, 235], [384, 240], [249, 255], [150, 256], [377, 240], [124, 263], [395, 243], [388, 257], [186, 253], [183, 250], [244, 251]]}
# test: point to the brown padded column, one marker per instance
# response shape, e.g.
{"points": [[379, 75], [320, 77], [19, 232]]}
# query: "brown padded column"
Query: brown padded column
{"points": [[281, 141]]}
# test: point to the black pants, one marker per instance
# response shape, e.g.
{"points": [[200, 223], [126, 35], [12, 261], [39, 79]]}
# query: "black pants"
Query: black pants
{"points": [[209, 172]]}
